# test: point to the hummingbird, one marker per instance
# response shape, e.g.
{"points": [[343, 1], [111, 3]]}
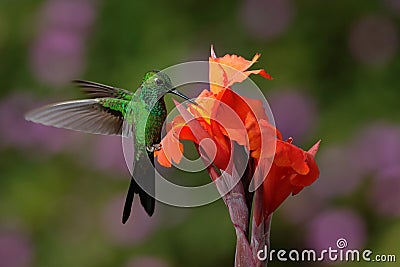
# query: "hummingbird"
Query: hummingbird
{"points": [[104, 112]]}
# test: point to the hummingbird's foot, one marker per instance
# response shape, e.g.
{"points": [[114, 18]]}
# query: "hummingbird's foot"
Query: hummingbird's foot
{"points": [[154, 147], [157, 147]]}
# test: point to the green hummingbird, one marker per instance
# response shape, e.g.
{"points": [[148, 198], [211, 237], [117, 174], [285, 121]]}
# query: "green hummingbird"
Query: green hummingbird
{"points": [[115, 111]]}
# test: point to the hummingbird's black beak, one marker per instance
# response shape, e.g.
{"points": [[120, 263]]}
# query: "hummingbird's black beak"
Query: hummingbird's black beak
{"points": [[176, 92]]}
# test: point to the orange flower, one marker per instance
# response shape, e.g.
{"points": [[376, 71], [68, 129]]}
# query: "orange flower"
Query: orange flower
{"points": [[223, 115], [226, 118], [291, 171]]}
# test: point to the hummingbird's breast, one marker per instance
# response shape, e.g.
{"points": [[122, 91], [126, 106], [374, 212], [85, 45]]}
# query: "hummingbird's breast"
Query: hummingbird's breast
{"points": [[148, 118], [155, 122]]}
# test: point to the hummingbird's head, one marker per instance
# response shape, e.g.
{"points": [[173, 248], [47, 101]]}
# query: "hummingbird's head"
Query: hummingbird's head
{"points": [[157, 80], [161, 84]]}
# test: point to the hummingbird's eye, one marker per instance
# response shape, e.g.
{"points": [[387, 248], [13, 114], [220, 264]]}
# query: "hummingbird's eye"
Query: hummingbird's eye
{"points": [[159, 81]]}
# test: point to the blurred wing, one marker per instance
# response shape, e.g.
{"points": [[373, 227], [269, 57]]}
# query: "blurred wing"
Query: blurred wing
{"points": [[81, 115], [98, 90], [128, 130]]}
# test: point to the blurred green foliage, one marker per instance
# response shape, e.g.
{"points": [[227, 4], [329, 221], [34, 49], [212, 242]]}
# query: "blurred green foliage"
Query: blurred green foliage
{"points": [[58, 199]]}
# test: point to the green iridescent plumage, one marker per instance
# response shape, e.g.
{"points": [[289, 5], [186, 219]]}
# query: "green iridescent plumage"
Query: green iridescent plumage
{"points": [[105, 111]]}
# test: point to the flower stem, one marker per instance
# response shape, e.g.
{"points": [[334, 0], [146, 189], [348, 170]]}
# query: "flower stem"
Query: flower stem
{"points": [[260, 230], [235, 201]]}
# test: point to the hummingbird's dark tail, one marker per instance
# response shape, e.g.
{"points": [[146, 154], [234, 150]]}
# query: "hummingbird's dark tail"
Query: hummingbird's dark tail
{"points": [[147, 201]]}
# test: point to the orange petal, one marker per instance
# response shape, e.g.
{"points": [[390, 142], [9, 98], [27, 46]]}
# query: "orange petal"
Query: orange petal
{"points": [[245, 131], [261, 72], [236, 62], [162, 158], [171, 150], [275, 188], [267, 144], [230, 69], [310, 177], [288, 155]]}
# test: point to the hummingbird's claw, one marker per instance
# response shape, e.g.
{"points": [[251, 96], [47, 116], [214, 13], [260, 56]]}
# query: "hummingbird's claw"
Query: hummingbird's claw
{"points": [[154, 147], [157, 147]]}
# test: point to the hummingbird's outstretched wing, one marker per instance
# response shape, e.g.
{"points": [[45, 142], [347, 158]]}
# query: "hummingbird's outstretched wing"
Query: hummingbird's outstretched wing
{"points": [[88, 115], [98, 90]]}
